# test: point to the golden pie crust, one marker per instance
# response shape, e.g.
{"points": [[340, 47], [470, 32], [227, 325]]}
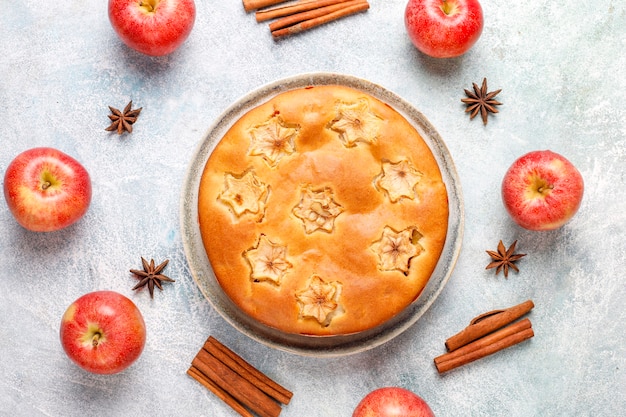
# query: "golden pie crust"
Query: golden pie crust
{"points": [[322, 211]]}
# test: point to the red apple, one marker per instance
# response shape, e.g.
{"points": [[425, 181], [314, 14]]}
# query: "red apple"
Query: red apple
{"points": [[443, 28], [152, 27], [46, 189], [392, 402], [103, 332], [542, 190]]}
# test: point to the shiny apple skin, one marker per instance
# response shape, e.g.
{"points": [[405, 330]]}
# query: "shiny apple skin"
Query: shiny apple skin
{"points": [[120, 329], [542, 190], [392, 402], [444, 35], [47, 190], [155, 33]]}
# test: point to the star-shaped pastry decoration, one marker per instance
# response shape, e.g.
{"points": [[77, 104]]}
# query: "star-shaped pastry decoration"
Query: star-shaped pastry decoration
{"points": [[244, 194], [268, 261], [398, 180], [151, 275], [317, 210], [504, 259], [273, 140], [481, 101], [356, 123], [395, 249], [319, 299], [122, 121]]}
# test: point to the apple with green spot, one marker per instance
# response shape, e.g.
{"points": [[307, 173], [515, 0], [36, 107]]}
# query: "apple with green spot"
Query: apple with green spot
{"points": [[103, 332], [152, 27], [444, 28], [46, 189], [542, 190]]}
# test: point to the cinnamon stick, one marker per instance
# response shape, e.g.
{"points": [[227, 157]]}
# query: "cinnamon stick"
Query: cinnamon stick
{"points": [[318, 18], [250, 5], [289, 9], [487, 340], [502, 339], [311, 14], [487, 323], [219, 392], [247, 371], [239, 388]]}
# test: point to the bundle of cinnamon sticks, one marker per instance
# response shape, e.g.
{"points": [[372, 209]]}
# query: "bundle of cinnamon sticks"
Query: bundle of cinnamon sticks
{"points": [[245, 389], [486, 334], [301, 15]]}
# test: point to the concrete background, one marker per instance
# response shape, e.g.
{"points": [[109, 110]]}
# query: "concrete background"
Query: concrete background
{"points": [[560, 68]]}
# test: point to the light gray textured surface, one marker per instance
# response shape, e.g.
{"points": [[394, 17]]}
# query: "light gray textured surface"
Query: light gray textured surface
{"points": [[561, 70]]}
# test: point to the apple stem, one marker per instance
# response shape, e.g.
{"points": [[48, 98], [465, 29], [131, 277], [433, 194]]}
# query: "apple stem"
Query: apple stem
{"points": [[95, 340], [149, 5], [45, 185], [445, 7], [544, 188], [448, 8]]}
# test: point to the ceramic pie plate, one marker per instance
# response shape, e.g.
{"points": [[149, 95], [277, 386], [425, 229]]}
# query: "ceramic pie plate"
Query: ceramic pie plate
{"points": [[320, 346]]}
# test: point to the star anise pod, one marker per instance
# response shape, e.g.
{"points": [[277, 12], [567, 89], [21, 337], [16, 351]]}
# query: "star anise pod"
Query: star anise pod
{"points": [[504, 259], [123, 120], [151, 275], [481, 101]]}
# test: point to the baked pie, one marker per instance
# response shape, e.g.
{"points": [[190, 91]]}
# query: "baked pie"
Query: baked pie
{"points": [[322, 211]]}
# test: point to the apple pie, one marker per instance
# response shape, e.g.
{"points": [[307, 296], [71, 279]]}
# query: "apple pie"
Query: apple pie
{"points": [[322, 211]]}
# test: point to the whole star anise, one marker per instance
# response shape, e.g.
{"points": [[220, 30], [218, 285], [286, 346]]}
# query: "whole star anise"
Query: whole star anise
{"points": [[481, 101], [151, 275], [123, 120], [504, 259]]}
